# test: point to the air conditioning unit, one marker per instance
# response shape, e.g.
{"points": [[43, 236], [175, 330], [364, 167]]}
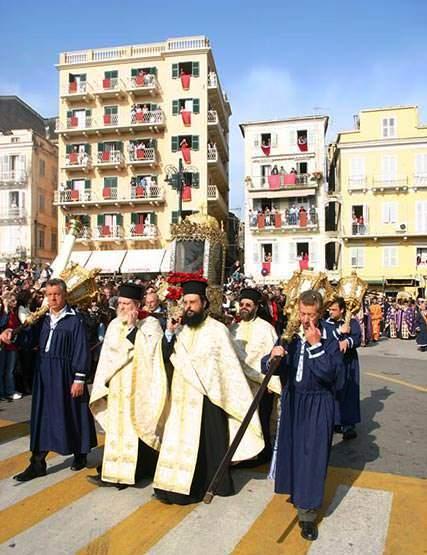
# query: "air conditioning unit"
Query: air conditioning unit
{"points": [[401, 227]]}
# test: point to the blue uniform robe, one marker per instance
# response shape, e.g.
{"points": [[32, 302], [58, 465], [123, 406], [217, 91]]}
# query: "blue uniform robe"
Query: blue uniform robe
{"points": [[58, 422], [307, 419], [348, 390]]}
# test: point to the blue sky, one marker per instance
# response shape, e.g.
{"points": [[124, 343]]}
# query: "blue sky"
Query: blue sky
{"points": [[275, 58]]}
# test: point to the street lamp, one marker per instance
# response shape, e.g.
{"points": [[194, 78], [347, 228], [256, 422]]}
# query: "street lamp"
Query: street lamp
{"points": [[175, 178]]}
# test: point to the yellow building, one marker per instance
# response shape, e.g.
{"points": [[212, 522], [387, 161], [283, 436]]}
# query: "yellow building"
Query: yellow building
{"points": [[127, 116], [380, 169]]}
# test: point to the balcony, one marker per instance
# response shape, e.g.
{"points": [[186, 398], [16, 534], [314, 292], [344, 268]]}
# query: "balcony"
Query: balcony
{"points": [[359, 229], [386, 184], [108, 233], [143, 85], [420, 181], [13, 178], [214, 161], [142, 157], [16, 215], [151, 194], [216, 94], [218, 131], [153, 119], [142, 232], [212, 117], [74, 126], [215, 196], [78, 161], [357, 183], [81, 92], [282, 182], [284, 221], [110, 159], [110, 88]]}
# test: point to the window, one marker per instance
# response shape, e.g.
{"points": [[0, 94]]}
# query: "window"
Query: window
{"points": [[111, 74], [421, 255], [302, 168], [421, 165], [192, 141], [389, 127], [357, 257], [189, 68], [53, 240], [267, 252], [40, 238], [41, 202], [389, 168], [389, 212], [357, 167], [14, 199], [390, 257], [42, 168], [110, 182], [302, 249], [421, 216], [186, 104], [14, 140]]}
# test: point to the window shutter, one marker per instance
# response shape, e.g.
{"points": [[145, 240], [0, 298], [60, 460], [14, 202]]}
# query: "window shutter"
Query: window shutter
{"points": [[100, 147], [196, 180], [274, 139], [88, 113], [68, 149], [87, 183], [85, 219], [69, 183], [119, 219], [194, 142], [175, 71], [292, 252], [313, 253], [175, 107], [83, 78], [153, 143], [152, 70], [196, 105], [153, 218], [133, 72], [256, 253], [69, 114], [100, 219], [276, 253], [114, 74], [257, 140], [174, 216], [195, 71], [174, 143], [134, 218]]}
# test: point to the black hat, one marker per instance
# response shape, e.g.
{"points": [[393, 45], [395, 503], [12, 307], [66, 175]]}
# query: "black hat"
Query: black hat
{"points": [[252, 294], [195, 287], [131, 291]]}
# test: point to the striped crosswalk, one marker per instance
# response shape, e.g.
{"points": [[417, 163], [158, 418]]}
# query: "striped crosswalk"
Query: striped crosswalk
{"points": [[365, 512]]}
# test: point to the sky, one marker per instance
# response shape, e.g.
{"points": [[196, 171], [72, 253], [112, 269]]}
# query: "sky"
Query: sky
{"points": [[275, 59]]}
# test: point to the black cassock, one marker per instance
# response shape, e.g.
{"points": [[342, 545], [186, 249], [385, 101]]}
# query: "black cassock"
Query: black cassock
{"points": [[307, 419], [214, 442], [60, 422]]}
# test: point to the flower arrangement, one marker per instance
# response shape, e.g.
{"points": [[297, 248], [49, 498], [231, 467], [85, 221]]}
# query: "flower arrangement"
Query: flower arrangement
{"points": [[316, 176]]}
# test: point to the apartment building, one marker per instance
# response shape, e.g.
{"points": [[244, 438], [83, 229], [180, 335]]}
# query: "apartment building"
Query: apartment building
{"points": [[285, 197], [128, 116], [380, 172], [28, 181]]}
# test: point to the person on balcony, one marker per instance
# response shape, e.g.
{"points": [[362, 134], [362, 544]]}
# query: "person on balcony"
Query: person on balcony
{"points": [[275, 170], [293, 170], [293, 215], [282, 170], [313, 215], [355, 224], [211, 144], [302, 216], [285, 216], [267, 216], [361, 223]]}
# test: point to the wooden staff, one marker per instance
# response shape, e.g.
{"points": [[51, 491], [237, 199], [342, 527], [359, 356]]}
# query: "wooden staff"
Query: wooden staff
{"points": [[216, 480]]}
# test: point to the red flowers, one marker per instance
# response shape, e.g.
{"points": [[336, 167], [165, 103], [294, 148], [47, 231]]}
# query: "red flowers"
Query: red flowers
{"points": [[175, 278], [174, 293]]}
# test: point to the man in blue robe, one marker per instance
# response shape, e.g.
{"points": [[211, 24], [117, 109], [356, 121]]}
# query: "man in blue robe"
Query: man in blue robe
{"points": [[60, 416], [348, 393], [308, 370]]}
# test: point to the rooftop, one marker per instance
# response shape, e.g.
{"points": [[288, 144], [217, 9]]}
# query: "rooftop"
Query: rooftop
{"points": [[323, 118]]}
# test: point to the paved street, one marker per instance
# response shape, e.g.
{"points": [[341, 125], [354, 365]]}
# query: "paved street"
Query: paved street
{"points": [[375, 496]]}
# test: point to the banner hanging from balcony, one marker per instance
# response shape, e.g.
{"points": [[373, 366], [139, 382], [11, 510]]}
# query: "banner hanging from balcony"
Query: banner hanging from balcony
{"points": [[302, 141], [186, 193], [185, 81], [186, 117]]}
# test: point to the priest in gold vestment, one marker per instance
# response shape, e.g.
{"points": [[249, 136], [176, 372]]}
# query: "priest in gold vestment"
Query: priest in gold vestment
{"points": [[209, 398], [251, 337], [129, 387]]}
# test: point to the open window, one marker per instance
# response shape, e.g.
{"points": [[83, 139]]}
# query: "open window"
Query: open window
{"points": [[359, 219], [76, 82], [303, 254], [143, 76], [302, 140]]}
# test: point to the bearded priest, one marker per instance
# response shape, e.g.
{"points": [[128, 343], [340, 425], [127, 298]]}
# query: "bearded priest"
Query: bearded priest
{"points": [[122, 392], [252, 338], [209, 398]]}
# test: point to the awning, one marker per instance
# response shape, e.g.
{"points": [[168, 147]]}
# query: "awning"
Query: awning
{"points": [[80, 257], [108, 261], [144, 261]]}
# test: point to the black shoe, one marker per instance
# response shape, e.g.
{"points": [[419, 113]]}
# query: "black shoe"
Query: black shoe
{"points": [[79, 462], [31, 472], [98, 481], [338, 429], [309, 531], [349, 434]]}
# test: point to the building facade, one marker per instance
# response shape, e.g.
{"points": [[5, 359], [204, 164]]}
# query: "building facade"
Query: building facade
{"points": [[285, 197], [127, 116], [380, 171], [28, 181]]}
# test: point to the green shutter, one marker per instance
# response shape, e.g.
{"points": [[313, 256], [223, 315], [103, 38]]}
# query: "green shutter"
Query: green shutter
{"points": [[100, 219], [174, 216], [69, 114], [87, 183], [70, 183], [100, 147], [88, 113], [175, 71], [195, 142], [175, 143], [175, 107], [120, 147], [133, 218], [196, 106], [68, 149], [195, 180], [195, 71], [153, 143], [83, 77], [133, 72], [153, 218], [119, 219], [152, 70], [87, 148], [85, 220]]}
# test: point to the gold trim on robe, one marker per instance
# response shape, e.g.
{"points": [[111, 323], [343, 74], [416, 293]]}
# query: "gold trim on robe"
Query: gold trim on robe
{"points": [[205, 363]]}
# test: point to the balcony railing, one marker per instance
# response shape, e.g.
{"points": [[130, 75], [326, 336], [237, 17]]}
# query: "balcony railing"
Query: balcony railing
{"points": [[75, 124], [357, 183], [149, 192], [142, 231], [212, 154], [110, 158], [215, 195], [281, 181], [110, 120], [212, 117], [78, 160], [150, 117], [284, 220], [359, 228], [142, 156], [13, 213], [420, 180], [77, 89], [13, 177], [105, 232], [386, 183], [110, 87], [212, 80], [143, 83]]}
